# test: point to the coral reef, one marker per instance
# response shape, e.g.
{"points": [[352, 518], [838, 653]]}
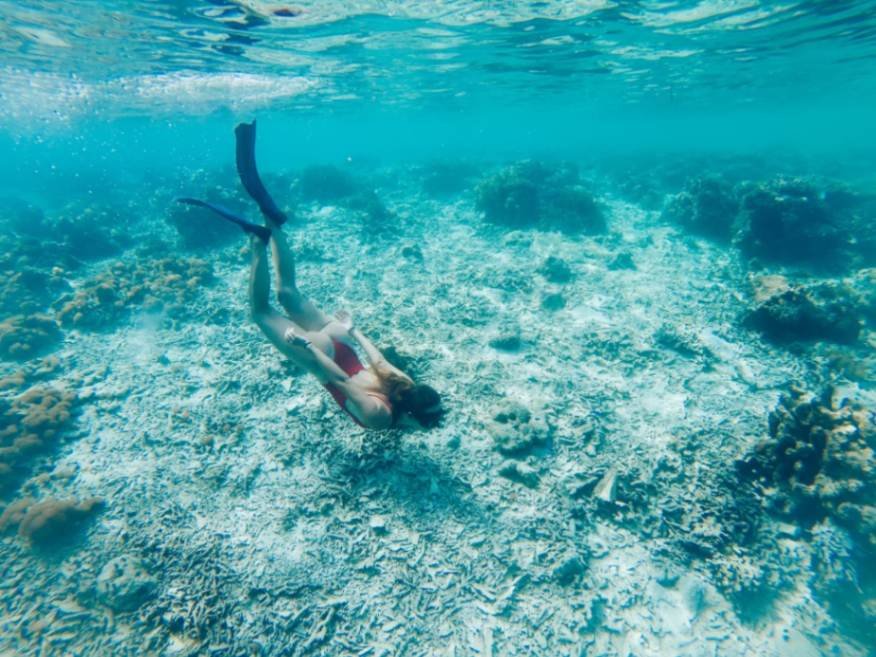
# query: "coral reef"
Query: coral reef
{"points": [[81, 231], [820, 311], [50, 522], [162, 284], [412, 252], [794, 222], [92, 233], [639, 188], [376, 217], [553, 301], [571, 209], [556, 270], [707, 527], [28, 290], [197, 227], [23, 337], [864, 285], [569, 569], [550, 525], [14, 513], [520, 473], [818, 462], [786, 221], [707, 207], [507, 200], [124, 584], [507, 341], [516, 431], [530, 194], [680, 340], [29, 423], [327, 184]]}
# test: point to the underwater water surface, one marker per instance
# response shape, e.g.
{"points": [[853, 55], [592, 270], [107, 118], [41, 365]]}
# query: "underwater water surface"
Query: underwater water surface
{"points": [[630, 244]]}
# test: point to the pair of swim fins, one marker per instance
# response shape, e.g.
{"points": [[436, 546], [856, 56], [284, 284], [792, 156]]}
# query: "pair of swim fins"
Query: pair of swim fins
{"points": [[245, 136]]}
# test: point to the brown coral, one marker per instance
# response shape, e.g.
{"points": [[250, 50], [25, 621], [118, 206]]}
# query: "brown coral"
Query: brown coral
{"points": [[14, 513], [52, 521], [26, 336], [165, 283], [48, 522], [28, 423], [819, 462], [29, 290]]}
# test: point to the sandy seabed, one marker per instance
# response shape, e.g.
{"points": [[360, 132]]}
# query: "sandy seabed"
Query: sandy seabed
{"points": [[263, 522]]}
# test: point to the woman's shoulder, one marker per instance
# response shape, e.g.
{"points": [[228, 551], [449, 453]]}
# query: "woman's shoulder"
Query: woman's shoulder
{"points": [[379, 416]]}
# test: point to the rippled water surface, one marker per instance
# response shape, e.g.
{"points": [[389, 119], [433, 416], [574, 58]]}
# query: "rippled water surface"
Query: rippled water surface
{"points": [[140, 56]]}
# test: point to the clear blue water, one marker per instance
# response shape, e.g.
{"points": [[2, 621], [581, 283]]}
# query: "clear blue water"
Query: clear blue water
{"points": [[418, 78], [206, 449]]}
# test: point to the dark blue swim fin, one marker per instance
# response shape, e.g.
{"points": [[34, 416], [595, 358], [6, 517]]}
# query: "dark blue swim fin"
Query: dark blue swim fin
{"points": [[245, 133], [261, 232]]}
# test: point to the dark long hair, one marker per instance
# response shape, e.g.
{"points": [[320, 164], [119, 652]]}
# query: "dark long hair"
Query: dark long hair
{"points": [[417, 399]]}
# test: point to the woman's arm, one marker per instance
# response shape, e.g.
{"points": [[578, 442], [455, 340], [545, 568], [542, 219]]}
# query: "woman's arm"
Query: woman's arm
{"points": [[333, 373], [377, 359], [368, 347]]}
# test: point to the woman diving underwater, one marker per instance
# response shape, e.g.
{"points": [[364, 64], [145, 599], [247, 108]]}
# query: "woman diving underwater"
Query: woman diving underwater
{"points": [[376, 396]]}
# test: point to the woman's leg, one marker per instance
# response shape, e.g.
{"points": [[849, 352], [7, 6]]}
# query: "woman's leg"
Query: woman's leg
{"points": [[301, 310], [273, 324]]}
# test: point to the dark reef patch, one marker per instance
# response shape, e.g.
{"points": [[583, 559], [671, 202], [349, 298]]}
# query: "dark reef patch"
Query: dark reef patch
{"points": [[707, 207], [531, 194], [556, 270], [796, 222], [818, 225], [787, 313]]}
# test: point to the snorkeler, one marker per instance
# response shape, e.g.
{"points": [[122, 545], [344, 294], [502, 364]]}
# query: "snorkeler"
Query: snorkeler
{"points": [[376, 396]]}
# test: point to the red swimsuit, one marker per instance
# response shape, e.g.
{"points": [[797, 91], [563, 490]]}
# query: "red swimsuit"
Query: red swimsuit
{"points": [[346, 359]]}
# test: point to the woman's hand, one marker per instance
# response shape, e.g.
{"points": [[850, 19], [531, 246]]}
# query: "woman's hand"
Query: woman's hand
{"points": [[296, 339], [345, 319]]}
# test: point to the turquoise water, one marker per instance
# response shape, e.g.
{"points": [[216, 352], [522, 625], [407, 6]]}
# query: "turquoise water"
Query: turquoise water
{"points": [[630, 244]]}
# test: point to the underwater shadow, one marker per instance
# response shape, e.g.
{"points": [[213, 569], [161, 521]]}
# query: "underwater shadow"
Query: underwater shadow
{"points": [[417, 483]]}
